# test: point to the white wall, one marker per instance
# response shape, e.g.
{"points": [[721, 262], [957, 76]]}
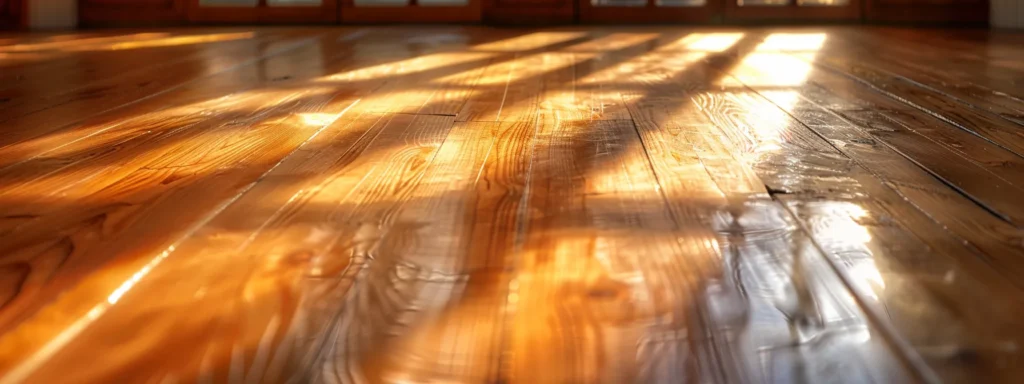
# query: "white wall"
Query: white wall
{"points": [[1007, 14], [52, 14]]}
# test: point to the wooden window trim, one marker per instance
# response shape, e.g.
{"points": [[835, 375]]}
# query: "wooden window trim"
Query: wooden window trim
{"points": [[350, 13]]}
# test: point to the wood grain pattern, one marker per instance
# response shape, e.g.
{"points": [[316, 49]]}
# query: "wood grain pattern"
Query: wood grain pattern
{"points": [[1000, 128], [746, 220], [466, 204], [75, 107], [106, 67], [879, 234], [597, 259], [411, 300], [887, 129], [968, 87]]}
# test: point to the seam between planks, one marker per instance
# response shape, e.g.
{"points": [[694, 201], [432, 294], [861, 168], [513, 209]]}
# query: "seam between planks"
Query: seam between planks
{"points": [[36, 360], [915, 105], [278, 52], [914, 360]]}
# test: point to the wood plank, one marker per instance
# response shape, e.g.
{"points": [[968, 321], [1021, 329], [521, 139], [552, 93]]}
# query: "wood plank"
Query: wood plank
{"points": [[102, 234], [764, 125], [1001, 129], [997, 242], [986, 173], [558, 97], [938, 200], [438, 83], [299, 71], [938, 59], [552, 81], [80, 64], [935, 77], [977, 227], [76, 107], [259, 260], [598, 257], [915, 281], [485, 222], [895, 255], [586, 88], [517, 100], [669, 347], [75, 174], [767, 142], [679, 147], [307, 109], [983, 45], [463, 204], [412, 300]]}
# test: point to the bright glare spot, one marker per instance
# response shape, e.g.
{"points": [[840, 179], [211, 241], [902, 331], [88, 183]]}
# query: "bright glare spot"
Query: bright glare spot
{"points": [[782, 60], [867, 272], [528, 42], [182, 40], [138, 275], [664, 63], [612, 42], [80, 44], [842, 226], [793, 42], [317, 119], [706, 42], [786, 70], [413, 65]]}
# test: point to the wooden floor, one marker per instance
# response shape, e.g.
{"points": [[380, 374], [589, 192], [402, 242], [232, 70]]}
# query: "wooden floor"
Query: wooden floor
{"points": [[462, 204]]}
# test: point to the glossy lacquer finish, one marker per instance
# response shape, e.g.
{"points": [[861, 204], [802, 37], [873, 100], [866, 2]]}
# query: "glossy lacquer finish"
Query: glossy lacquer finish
{"points": [[665, 205]]}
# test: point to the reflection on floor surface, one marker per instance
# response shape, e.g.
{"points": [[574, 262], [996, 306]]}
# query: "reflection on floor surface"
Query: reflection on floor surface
{"points": [[461, 204]]}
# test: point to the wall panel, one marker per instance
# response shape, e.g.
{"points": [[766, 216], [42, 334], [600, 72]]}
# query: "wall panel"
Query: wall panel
{"points": [[928, 11], [529, 11], [1007, 13], [131, 12], [11, 15]]}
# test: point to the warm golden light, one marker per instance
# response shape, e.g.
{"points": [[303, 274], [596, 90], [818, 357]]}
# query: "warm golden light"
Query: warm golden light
{"points": [[616, 205], [70, 45], [664, 63], [317, 119], [142, 40], [785, 56], [531, 41], [705, 42], [766, 69], [410, 66], [612, 42], [788, 42], [180, 40]]}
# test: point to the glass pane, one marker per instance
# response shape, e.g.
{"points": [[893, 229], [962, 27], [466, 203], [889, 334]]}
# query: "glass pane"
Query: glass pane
{"points": [[443, 3], [294, 3], [822, 3], [680, 3], [381, 3], [762, 2], [228, 3], [618, 3]]}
